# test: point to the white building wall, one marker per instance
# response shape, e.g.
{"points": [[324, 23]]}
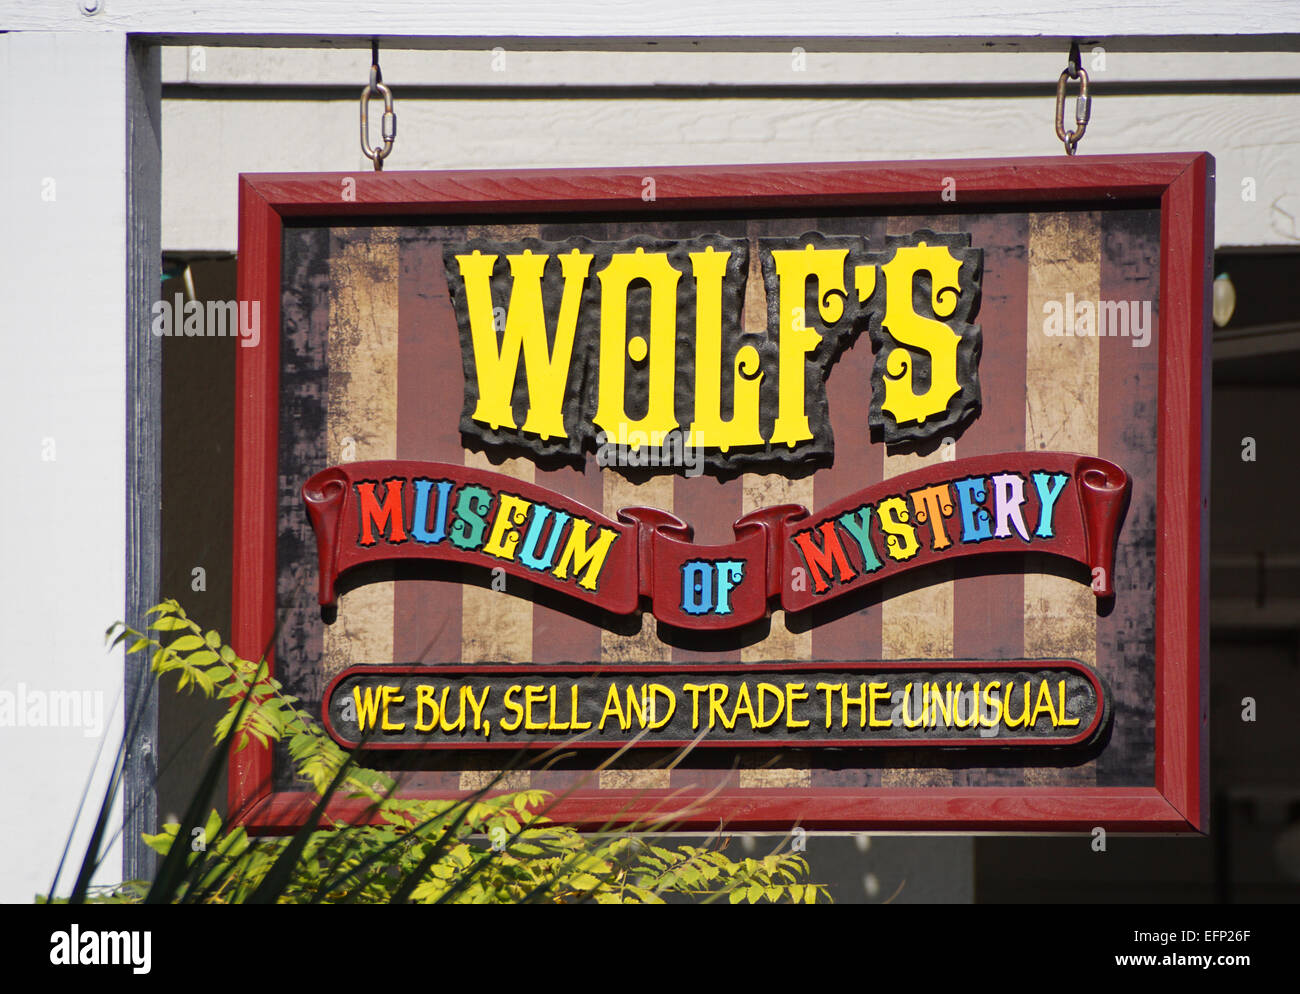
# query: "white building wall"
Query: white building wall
{"points": [[62, 444], [231, 110]]}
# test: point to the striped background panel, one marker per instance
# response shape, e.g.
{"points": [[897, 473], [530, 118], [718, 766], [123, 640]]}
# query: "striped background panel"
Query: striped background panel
{"points": [[371, 369]]}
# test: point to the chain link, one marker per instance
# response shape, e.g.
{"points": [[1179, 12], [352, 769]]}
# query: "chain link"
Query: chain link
{"points": [[1082, 105], [388, 125]]}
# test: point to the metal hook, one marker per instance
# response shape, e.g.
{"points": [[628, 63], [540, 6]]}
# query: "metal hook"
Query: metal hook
{"points": [[388, 125], [1082, 106]]}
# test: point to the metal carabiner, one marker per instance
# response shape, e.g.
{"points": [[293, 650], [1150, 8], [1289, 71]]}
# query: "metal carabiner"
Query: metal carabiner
{"points": [[388, 125], [1082, 107]]}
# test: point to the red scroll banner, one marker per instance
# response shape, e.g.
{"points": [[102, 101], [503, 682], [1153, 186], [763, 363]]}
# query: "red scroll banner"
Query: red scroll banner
{"points": [[1049, 502]]}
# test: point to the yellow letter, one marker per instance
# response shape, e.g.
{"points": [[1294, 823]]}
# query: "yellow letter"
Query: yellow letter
{"points": [[512, 706], [743, 704], [511, 513], [534, 694], [653, 691], [1044, 701], [764, 689], [794, 692], [611, 409], [546, 371], [908, 328], [900, 537], [391, 696], [613, 708], [992, 701], [578, 726], [696, 690], [474, 703], [828, 689], [793, 268], [1060, 696], [879, 693], [717, 697], [367, 704], [860, 702], [709, 428], [1023, 720], [907, 714], [583, 556], [424, 699]]}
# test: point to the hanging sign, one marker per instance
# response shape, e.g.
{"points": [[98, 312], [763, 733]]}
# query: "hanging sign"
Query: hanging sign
{"points": [[801, 492]]}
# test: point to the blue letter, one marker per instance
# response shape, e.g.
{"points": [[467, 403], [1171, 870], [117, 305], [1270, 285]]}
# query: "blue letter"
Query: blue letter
{"points": [[974, 518], [1047, 500]]}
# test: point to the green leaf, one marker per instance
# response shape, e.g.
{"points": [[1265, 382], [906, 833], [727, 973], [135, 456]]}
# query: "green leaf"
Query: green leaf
{"points": [[204, 657]]}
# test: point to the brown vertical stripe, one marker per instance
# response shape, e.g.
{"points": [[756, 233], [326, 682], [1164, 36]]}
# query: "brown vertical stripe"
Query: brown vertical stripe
{"points": [[980, 632], [917, 612], [858, 463], [987, 620], [619, 492], [559, 636], [645, 645], [497, 626], [430, 385], [764, 490], [710, 506], [568, 632]]}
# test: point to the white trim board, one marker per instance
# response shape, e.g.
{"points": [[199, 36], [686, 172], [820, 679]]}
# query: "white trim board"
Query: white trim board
{"points": [[663, 19]]}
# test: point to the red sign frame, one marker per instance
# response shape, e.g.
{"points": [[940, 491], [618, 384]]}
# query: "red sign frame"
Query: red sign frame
{"points": [[1182, 183]]}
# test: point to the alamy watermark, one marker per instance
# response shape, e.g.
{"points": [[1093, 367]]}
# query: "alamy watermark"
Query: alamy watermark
{"points": [[1098, 319], [180, 318], [641, 449], [24, 707], [95, 947]]}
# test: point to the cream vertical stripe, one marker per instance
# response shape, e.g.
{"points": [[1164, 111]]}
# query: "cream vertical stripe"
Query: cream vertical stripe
{"points": [[1061, 411], [1061, 399], [361, 417], [917, 623], [496, 626]]}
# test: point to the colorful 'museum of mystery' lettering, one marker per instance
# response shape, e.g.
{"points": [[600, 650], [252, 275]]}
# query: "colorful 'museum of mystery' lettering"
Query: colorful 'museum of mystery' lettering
{"points": [[1059, 503]]}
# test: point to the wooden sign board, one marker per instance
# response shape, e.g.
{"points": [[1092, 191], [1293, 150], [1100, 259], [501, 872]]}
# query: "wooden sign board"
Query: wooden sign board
{"points": [[857, 496]]}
